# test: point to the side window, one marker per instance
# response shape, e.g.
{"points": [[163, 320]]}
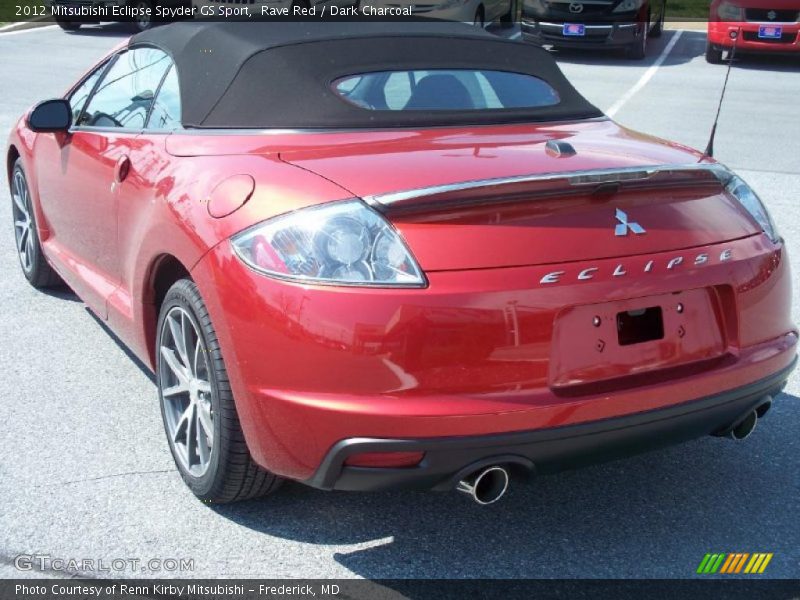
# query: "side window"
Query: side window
{"points": [[125, 94], [77, 99], [166, 113]]}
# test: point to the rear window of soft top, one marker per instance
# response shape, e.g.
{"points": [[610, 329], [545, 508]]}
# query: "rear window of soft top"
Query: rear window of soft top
{"points": [[446, 90]]}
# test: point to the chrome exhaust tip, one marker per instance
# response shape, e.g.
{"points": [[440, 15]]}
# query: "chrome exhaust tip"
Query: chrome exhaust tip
{"points": [[485, 486], [745, 427]]}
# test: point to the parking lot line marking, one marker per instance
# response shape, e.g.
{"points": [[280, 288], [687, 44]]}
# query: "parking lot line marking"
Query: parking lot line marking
{"points": [[648, 75], [19, 31]]}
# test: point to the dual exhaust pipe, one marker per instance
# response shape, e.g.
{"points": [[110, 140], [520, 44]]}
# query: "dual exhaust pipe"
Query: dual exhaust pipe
{"points": [[488, 484]]}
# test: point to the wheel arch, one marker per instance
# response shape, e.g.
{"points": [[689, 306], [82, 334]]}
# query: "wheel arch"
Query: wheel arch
{"points": [[11, 158], [164, 270]]}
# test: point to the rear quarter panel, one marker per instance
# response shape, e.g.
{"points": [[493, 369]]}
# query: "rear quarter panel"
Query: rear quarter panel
{"points": [[163, 212]]}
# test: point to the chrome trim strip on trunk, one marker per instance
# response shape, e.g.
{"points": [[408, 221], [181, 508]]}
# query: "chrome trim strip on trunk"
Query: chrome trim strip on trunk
{"points": [[593, 177]]}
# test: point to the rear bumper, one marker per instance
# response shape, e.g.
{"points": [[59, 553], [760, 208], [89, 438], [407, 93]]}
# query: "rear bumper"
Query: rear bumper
{"points": [[600, 35], [719, 36], [447, 460], [487, 352]]}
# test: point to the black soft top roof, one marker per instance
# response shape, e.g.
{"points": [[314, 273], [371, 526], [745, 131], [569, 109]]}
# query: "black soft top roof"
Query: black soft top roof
{"points": [[268, 74]]}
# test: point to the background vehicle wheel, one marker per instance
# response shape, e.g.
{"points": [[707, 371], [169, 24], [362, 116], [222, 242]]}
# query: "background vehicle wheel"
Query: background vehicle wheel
{"points": [[26, 235], [638, 50], [658, 28], [142, 22], [68, 25], [507, 20], [197, 405], [713, 54], [479, 20]]}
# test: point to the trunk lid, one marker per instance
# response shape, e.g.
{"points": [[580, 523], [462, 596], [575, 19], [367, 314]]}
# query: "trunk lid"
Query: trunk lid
{"points": [[526, 223], [531, 222]]}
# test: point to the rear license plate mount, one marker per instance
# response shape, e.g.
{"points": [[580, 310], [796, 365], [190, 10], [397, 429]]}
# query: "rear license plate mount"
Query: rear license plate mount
{"points": [[620, 338], [639, 326]]}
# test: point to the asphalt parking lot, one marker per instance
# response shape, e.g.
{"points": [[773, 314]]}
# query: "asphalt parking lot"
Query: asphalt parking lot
{"points": [[85, 471]]}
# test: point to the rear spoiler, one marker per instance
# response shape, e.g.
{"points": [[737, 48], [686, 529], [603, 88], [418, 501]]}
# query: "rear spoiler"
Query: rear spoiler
{"points": [[523, 188]]}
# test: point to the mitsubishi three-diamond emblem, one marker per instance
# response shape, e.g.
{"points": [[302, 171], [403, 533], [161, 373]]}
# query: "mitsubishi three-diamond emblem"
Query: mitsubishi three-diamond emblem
{"points": [[624, 225]]}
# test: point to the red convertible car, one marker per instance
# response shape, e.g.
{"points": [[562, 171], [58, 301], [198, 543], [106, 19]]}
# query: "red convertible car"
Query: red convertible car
{"points": [[368, 256]]}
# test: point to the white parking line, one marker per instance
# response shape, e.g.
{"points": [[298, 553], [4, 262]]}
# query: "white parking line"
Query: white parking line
{"points": [[648, 75], [4, 33]]}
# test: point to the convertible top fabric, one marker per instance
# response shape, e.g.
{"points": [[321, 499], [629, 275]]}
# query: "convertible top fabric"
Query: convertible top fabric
{"points": [[278, 74]]}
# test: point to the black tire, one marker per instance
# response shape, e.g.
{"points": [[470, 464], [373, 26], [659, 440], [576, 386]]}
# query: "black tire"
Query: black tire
{"points": [[507, 20], [638, 50], [658, 28], [138, 25], [26, 238], [231, 474], [713, 54], [68, 25]]}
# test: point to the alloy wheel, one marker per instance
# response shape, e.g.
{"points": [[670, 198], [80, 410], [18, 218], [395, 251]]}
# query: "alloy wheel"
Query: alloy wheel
{"points": [[186, 391], [23, 224]]}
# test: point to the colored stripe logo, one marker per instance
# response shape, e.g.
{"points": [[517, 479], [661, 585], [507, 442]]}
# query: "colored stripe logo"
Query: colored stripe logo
{"points": [[734, 562]]}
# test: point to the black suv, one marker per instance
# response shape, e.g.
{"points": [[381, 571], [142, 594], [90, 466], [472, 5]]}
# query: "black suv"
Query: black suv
{"points": [[594, 23]]}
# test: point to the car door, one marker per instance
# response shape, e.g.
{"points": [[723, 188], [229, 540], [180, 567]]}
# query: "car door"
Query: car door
{"points": [[80, 195], [150, 181]]}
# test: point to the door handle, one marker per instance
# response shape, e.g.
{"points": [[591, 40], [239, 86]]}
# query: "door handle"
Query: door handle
{"points": [[122, 169]]}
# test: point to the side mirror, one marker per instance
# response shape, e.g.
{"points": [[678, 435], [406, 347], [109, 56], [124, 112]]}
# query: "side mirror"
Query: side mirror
{"points": [[50, 116]]}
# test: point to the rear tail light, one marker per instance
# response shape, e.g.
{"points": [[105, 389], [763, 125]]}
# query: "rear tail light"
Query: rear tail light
{"points": [[748, 199], [339, 243]]}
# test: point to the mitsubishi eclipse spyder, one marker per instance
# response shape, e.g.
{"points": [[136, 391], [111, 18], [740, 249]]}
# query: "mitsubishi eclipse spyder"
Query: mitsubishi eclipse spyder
{"points": [[377, 256]]}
